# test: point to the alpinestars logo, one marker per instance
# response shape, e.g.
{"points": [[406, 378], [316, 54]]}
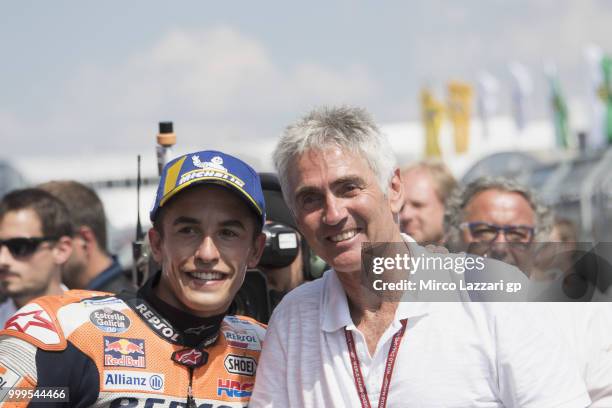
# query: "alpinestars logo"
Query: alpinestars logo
{"points": [[190, 357]]}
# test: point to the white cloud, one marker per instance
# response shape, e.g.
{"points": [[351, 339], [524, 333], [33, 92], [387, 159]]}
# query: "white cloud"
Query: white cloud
{"points": [[218, 82], [221, 85]]}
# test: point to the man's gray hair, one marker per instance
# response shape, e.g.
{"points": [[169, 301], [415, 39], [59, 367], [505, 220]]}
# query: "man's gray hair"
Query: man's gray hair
{"points": [[461, 197], [348, 128]]}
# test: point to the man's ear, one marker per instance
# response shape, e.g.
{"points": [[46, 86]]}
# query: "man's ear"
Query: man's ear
{"points": [[395, 192], [88, 237], [259, 244], [155, 241], [62, 250]]}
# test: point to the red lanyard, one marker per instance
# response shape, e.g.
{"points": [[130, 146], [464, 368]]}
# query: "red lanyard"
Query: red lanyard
{"points": [[359, 382]]}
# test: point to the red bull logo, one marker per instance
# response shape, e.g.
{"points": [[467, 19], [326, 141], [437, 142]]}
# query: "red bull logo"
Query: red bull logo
{"points": [[122, 352]]}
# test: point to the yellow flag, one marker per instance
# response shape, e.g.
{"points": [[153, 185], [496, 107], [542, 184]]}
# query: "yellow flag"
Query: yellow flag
{"points": [[433, 112], [460, 97]]}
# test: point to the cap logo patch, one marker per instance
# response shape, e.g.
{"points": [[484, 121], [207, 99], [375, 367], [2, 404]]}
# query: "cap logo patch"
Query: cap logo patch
{"points": [[214, 163], [214, 167]]}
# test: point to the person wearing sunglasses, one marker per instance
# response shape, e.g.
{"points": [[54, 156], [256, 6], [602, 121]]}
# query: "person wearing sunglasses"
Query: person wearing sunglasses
{"points": [[35, 243]]}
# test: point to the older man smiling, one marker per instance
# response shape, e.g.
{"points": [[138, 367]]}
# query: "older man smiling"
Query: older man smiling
{"points": [[335, 342]]}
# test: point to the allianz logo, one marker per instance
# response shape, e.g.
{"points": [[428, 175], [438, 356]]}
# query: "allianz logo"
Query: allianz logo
{"points": [[133, 380]]}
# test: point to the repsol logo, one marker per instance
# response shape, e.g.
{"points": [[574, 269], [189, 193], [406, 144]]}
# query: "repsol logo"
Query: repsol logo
{"points": [[159, 402], [244, 339], [156, 323]]}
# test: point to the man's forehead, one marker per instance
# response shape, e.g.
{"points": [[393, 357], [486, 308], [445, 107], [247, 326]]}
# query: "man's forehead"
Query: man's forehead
{"points": [[205, 203], [421, 183], [20, 223], [494, 203], [326, 166], [415, 172], [223, 219]]}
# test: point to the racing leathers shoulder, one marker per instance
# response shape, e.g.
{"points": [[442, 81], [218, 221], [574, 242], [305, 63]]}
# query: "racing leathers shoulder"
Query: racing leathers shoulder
{"points": [[119, 351]]}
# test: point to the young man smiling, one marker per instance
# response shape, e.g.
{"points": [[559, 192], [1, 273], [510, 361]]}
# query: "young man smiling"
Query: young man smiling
{"points": [[171, 343]]}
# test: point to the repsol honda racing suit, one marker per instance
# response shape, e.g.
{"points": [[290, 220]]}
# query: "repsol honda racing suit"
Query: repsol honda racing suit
{"points": [[130, 350]]}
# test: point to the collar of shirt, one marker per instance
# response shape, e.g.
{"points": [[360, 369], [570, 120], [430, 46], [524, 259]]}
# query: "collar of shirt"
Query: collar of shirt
{"points": [[335, 312], [106, 275]]}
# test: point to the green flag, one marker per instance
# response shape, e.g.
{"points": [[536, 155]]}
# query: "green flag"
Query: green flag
{"points": [[560, 113], [606, 95]]}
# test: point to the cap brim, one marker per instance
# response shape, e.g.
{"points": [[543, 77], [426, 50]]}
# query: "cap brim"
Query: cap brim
{"points": [[212, 180]]}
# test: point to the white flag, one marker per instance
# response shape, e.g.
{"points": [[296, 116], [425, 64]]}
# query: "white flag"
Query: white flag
{"points": [[597, 135], [522, 87], [488, 99]]}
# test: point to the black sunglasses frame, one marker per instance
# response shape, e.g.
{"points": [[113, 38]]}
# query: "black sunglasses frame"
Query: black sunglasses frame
{"points": [[23, 247], [503, 228]]}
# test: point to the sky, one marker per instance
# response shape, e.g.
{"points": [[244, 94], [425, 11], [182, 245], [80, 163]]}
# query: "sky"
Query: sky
{"points": [[87, 78]]}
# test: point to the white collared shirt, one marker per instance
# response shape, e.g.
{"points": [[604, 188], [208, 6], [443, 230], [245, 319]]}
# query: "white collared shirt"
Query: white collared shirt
{"points": [[452, 355], [587, 328]]}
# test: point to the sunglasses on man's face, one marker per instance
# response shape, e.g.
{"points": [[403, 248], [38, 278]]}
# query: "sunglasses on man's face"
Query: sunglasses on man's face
{"points": [[23, 247], [487, 233]]}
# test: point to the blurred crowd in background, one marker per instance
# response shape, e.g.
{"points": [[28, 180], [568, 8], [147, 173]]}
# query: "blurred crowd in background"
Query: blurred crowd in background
{"points": [[469, 176], [54, 235]]}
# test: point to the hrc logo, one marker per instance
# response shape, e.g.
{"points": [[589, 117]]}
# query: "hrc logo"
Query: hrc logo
{"points": [[234, 389]]}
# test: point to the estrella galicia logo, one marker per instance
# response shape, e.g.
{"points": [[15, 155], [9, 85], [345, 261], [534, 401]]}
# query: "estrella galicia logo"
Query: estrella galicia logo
{"points": [[124, 352], [109, 320]]}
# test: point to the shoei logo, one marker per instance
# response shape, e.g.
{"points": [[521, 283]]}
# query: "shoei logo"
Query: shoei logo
{"points": [[240, 365], [214, 163]]}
